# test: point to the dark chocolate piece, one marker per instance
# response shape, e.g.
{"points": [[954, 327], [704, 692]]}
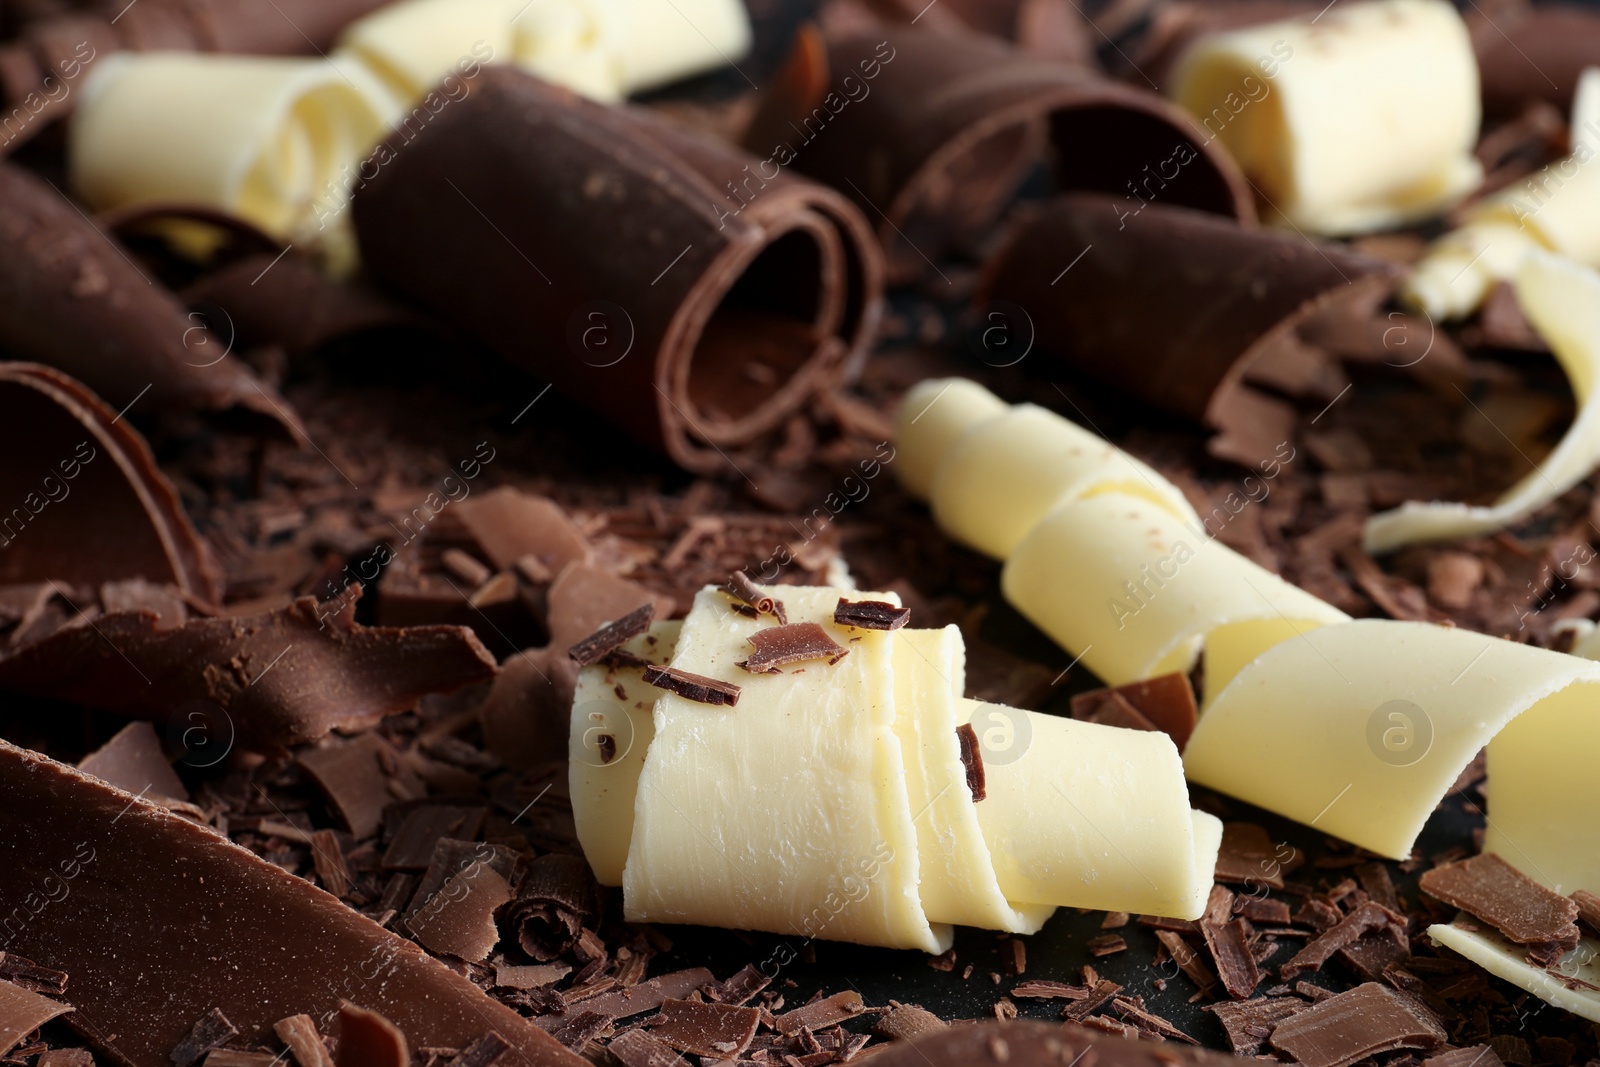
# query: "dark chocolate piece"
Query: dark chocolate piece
{"points": [[1533, 52], [798, 642], [955, 125], [1505, 898], [972, 760], [1352, 1026], [1230, 949], [1248, 857], [694, 687], [820, 1014], [367, 1039], [722, 316], [636, 1048], [1474, 1056], [139, 876], [512, 526], [487, 1050], [133, 760], [740, 585], [1187, 959], [264, 683], [909, 1021], [88, 504], [556, 900], [1588, 909], [71, 298], [719, 1031], [1106, 945], [209, 1031], [299, 1032], [612, 636], [412, 846], [1248, 1023], [1343, 934], [870, 615], [23, 1011], [1231, 299], [746, 982], [458, 920], [361, 777], [32, 977], [1166, 704], [647, 996]]}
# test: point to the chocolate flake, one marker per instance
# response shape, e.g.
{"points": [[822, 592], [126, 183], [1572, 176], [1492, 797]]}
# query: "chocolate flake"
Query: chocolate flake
{"points": [[209, 1031], [300, 1034], [696, 687], [22, 1012], [30, 976], [1098, 995], [820, 1013], [1502, 896], [745, 983], [613, 636], [636, 1048], [719, 1031], [1247, 1024], [1343, 934], [481, 1053], [1164, 704], [908, 1021], [647, 996], [1588, 909], [367, 1039], [972, 760], [327, 857], [1352, 1026], [458, 920], [870, 615], [1475, 1056], [1230, 951], [798, 642], [1106, 945]]}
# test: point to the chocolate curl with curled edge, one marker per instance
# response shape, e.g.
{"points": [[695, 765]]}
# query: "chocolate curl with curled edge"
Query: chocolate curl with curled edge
{"points": [[1533, 52], [42, 69], [933, 134], [275, 680], [1183, 310], [83, 499], [167, 920], [71, 298], [603, 250]]}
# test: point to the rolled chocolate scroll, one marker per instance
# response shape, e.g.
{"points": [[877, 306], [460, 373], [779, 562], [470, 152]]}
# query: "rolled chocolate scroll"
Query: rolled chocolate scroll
{"points": [[72, 298], [932, 134], [1535, 52], [83, 499], [594, 248], [42, 69], [1227, 296]]}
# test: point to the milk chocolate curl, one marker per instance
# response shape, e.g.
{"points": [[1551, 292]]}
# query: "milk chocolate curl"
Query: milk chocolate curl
{"points": [[598, 248], [85, 502], [72, 298], [1180, 309], [1533, 52], [43, 69], [163, 921], [932, 134]]}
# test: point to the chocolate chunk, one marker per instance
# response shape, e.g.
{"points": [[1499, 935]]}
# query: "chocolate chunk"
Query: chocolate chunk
{"points": [[1095, 997], [820, 1013], [367, 1039], [972, 760], [72, 299], [721, 1031], [556, 900], [356, 777], [636, 1048], [1220, 327], [209, 1031], [696, 687], [267, 682], [1352, 1026], [1248, 1023], [61, 823], [1166, 703], [82, 1057], [450, 858], [1187, 959], [458, 920], [22, 1012], [528, 711], [798, 299], [133, 760], [299, 1032], [584, 598], [28, 975], [798, 642], [612, 636], [115, 515], [870, 615], [1502, 896], [1341, 935]]}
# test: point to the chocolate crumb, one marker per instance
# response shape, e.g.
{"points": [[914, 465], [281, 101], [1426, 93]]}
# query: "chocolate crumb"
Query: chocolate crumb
{"points": [[972, 760], [870, 615], [612, 636], [797, 642], [696, 687]]}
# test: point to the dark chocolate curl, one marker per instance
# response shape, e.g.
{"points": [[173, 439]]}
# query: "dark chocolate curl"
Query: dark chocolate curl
{"points": [[1177, 308], [85, 502], [678, 288], [267, 682], [1533, 52], [943, 130], [58, 49], [556, 900], [71, 298], [166, 921]]}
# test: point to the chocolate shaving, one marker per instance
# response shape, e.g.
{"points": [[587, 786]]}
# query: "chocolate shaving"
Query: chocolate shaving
{"points": [[557, 898], [798, 642], [1588, 909], [1187, 959], [1097, 996], [647, 996], [1475, 1056], [1166, 704], [1106, 945], [1150, 1022], [1248, 1024], [721, 1031], [458, 920], [870, 615], [412, 846], [133, 760], [1341, 935], [746, 982], [909, 1021], [511, 526], [265, 683], [1247, 857], [696, 687], [636, 1048], [487, 1050], [28, 975], [1229, 945], [741, 586], [22, 1012], [209, 1031], [299, 1032], [1505, 898], [820, 1013], [613, 636], [1352, 1026], [972, 761], [360, 777], [367, 1039]]}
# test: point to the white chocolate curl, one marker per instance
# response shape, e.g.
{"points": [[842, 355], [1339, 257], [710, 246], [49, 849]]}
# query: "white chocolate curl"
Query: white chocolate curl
{"points": [[269, 140], [1361, 119], [832, 801], [1562, 301]]}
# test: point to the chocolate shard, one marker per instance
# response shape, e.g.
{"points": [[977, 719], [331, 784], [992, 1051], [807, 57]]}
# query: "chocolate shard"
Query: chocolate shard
{"points": [[1166, 704], [1248, 1023], [458, 920], [946, 141], [360, 777], [1588, 909], [134, 867], [209, 1031], [88, 503], [1230, 949], [1342, 935], [1222, 324], [636, 1048], [1502, 896], [696, 687], [744, 984], [266, 682], [798, 642], [28, 975], [870, 615], [483, 1052], [1027, 1043], [909, 1021], [720, 1031], [612, 636], [22, 1012], [788, 284], [1350, 1027], [647, 996], [133, 760], [556, 900], [412, 846], [820, 1014], [299, 1032], [510, 525], [972, 760], [1249, 858], [367, 1039], [71, 298]]}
